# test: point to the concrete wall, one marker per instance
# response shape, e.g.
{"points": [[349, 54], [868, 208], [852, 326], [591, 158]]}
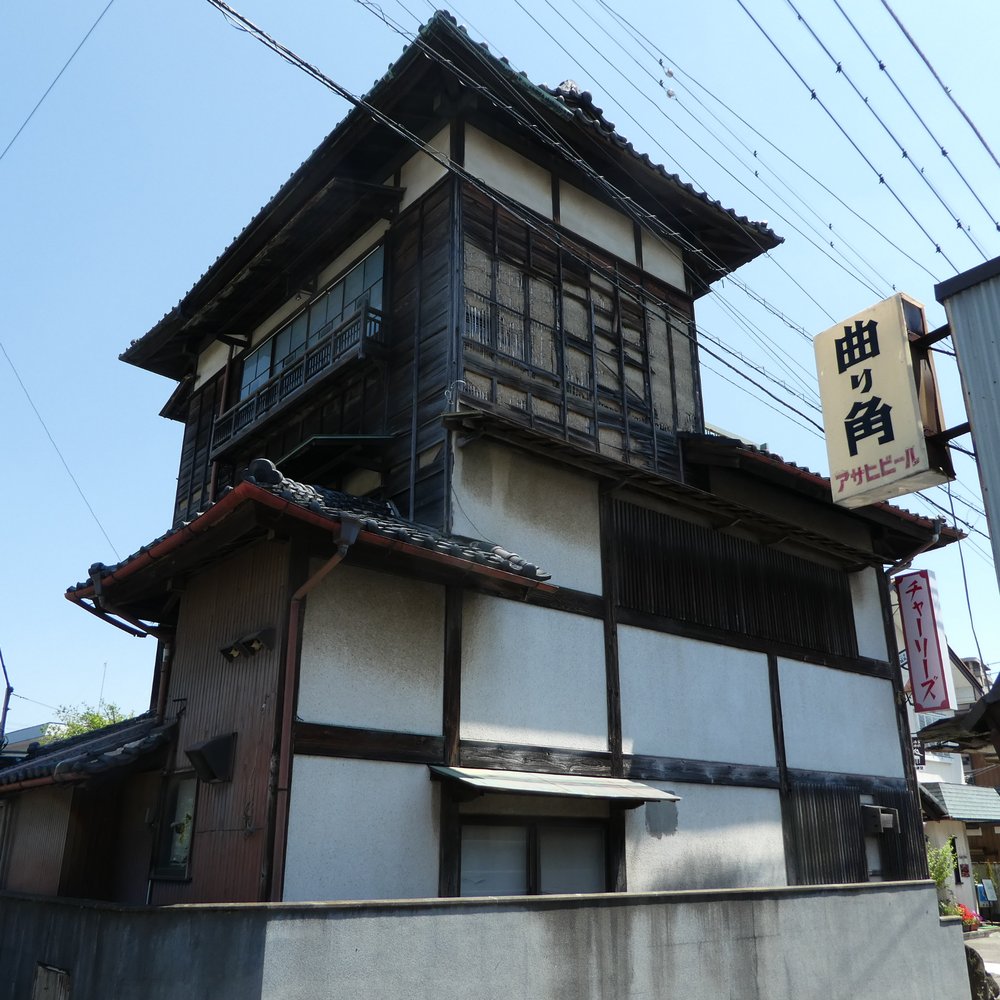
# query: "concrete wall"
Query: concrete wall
{"points": [[532, 675], [714, 838], [837, 721], [834, 943], [356, 673], [684, 698], [545, 513], [361, 829]]}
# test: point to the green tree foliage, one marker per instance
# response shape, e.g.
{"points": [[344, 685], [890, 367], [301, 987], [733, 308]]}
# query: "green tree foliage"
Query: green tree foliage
{"points": [[74, 720], [941, 864]]}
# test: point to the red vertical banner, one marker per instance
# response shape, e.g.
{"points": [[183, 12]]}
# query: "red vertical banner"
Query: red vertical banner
{"points": [[926, 646]]}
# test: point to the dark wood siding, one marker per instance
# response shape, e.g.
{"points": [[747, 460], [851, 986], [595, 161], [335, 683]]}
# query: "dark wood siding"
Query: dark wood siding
{"points": [[574, 342], [212, 696], [828, 834], [690, 573], [422, 336], [195, 472]]}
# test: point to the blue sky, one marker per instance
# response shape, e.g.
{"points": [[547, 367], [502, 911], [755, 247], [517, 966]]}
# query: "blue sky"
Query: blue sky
{"points": [[170, 128]]}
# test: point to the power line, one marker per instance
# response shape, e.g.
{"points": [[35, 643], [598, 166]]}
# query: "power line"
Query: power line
{"points": [[888, 131], [899, 90], [965, 584], [69, 472], [56, 80], [833, 118], [947, 90]]}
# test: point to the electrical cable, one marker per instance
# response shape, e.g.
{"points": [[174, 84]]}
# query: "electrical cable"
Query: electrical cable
{"points": [[888, 131], [965, 583], [899, 90], [69, 472], [48, 89]]}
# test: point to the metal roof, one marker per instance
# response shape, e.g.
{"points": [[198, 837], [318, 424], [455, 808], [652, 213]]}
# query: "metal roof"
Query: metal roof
{"points": [[572, 785], [964, 802]]}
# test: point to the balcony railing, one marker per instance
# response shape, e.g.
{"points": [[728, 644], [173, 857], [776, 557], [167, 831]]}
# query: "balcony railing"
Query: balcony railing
{"points": [[349, 339]]}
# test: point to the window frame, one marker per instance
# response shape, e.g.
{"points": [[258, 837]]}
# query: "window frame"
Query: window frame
{"points": [[275, 365], [533, 825]]}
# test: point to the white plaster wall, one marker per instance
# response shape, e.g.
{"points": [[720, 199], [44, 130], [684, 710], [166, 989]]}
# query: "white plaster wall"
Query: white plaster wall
{"points": [[714, 838], [597, 222], [868, 621], [684, 698], [837, 721], [532, 675], [361, 829], [421, 172], [372, 653], [211, 360], [663, 260], [545, 513], [503, 169], [938, 833]]}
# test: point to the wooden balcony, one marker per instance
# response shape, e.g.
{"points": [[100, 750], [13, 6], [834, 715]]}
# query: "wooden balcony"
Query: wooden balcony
{"points": [[357, 337]]}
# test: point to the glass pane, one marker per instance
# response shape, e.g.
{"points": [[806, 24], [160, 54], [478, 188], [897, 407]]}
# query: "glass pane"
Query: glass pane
{"points": [[571, 859], [375, 295], [317, 316], [335, 303], [354, 285], [182, 824], [256, 369], [373, 267], [494, 860]]}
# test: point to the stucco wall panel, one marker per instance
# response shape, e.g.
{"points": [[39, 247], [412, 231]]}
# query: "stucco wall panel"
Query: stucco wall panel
{"points": [[594, 221], [421, 172], [684, 698], [372, 651], [713, 838], [361, 829], [868, 622], [547, 514], [663, 260], [532, 675], [503, 169], [838, 721]]}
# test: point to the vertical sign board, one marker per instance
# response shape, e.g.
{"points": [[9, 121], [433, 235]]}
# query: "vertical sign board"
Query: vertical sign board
{"points": [[926, 645], [871, 411]]}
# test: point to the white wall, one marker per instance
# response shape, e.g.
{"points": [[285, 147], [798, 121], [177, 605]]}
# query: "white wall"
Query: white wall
{"points": [[545, 513], [663, 260], [594, 221], [532, 675], [868, 621], [361, 829], [714, 838], [421, 172], [372, 653], [938, 833], [684, 698], [837, 721], [503, 169]]}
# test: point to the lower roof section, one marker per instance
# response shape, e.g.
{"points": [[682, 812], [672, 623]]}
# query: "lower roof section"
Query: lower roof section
{"points": [[968, 803], [567, 785]]}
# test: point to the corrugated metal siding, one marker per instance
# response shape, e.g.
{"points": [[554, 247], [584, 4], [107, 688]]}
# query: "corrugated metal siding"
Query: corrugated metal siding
{"points": [[974, 317], [38, 840], [213, 697], [680, 570]]}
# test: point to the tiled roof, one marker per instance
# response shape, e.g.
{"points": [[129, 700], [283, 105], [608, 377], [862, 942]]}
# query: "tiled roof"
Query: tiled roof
{"points": [[92, 753], [379, 519], [968, 803]]}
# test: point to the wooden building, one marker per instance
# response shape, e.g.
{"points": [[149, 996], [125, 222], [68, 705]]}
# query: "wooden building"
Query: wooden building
{"points": [[459, 597]]}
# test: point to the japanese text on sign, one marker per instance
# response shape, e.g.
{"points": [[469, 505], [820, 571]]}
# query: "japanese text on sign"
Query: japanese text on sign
{"points": [[926, 647]]}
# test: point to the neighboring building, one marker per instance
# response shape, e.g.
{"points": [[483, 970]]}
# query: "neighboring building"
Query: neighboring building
{"points": [[397, 377]]}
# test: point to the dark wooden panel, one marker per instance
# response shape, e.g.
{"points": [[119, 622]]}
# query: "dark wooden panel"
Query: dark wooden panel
{"points": [[687, 572], [195, 471], [548, 760], [699, 772], [452, 707], [312, 739]]}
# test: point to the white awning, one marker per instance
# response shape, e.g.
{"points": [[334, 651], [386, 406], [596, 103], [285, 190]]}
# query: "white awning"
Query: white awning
{"points": [[534, 783]]}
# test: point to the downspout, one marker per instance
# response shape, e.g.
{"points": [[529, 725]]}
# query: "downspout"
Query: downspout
{"points": [[166, 663], [350, 528], [898, 567]]}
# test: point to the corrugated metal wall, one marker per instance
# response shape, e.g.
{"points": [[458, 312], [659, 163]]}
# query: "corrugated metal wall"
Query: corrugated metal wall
{"points": [[681, 570], [212, 697], [37, 840], [974, 317]]}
